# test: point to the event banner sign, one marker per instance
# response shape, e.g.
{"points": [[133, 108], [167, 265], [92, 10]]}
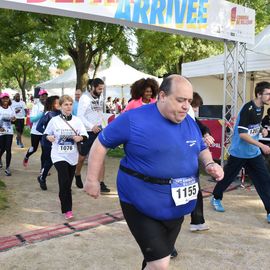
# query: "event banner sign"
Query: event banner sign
{"points": [[216, 19]]}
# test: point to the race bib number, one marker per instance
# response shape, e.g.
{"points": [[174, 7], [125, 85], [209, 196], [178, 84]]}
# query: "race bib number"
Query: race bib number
{"points": [[66, 148], [253, 130], [7, 127], [184, 190]]}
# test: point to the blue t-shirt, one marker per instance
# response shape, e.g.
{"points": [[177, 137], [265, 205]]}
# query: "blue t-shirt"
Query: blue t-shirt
{"points": [[248, 121], [75, 107], [156, 147]]}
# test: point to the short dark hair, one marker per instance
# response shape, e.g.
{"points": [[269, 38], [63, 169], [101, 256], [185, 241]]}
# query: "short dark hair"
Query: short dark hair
{"points": [[166, 85], [95, 82], [260, 87], [137, 89], [197, 100]]}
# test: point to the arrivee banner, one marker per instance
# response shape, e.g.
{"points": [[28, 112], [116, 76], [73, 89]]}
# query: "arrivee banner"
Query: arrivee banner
{"points": [[215, 19]]}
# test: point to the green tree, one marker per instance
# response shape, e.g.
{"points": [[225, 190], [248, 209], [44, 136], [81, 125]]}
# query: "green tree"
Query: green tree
{"points": [[24, 69], [161, 53], [84, 41], [17, 30]]}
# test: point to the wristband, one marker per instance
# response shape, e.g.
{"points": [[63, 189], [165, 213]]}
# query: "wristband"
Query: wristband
{"points": [[212, 162]]}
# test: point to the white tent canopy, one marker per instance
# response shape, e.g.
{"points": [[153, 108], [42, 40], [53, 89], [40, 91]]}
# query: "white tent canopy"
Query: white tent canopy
{"points": [[65, 80], [258, 59], [207, 75], [118, 77], [120, 74]]}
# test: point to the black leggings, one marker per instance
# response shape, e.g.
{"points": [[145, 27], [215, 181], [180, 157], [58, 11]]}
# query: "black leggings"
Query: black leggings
{"points": [[197, 214], [35, 139], [65, 173], [156, 238], [47, 164], [5, 146]]}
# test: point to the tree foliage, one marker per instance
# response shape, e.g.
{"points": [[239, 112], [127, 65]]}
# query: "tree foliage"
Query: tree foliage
{"points": [[84, 41], [161, 53], [22, 67], [45, 39]]}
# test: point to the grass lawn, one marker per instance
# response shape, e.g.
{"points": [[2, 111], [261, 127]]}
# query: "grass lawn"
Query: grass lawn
{"points": [[3, 196], [118, 152]]}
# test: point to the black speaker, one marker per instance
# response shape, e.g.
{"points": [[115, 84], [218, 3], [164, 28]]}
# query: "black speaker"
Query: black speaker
{"points": [[36, 91]]}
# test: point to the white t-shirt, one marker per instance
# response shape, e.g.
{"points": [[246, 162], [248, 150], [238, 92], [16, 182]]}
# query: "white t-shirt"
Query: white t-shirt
{"points": [[5, 120], [37, 109], [90, 110], [19, 109], [64, 148], [191, 113]]}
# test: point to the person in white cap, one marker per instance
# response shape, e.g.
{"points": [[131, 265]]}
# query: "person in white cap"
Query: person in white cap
{"points": [[35, 115]]}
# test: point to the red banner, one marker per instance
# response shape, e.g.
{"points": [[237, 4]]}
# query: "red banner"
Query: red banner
{"points": [[215, 127]]}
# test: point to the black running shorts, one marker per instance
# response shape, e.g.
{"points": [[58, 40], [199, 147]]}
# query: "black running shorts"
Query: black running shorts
{"points": [[19, 125], [156, 238], [86, 145]]}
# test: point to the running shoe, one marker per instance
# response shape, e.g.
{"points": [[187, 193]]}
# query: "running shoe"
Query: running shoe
{"points": [[174, 253], [42, 183], [199, 227], [21, 145], [268, 218], [68, 215], [79, 182], [7, 172], [25, 162], [104, 188], [216, 203]]}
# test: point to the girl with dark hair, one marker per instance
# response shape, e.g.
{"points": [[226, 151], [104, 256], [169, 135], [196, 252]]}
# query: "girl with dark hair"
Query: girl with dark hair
{"points": [[7, 116], [143, 91], [51, 109]]}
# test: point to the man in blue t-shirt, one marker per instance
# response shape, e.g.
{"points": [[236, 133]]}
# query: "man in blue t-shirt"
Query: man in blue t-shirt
{"points": [[245, 150], [158, 177]]}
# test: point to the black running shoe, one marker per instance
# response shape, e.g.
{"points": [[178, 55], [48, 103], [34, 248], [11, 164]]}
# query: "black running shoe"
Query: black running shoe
{"points": [[42, 183], [104, 188], [79, 182], [174, 253], [7, 172]]}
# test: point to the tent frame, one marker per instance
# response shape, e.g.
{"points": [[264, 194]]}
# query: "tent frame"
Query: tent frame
{"points": [[234, 90]]}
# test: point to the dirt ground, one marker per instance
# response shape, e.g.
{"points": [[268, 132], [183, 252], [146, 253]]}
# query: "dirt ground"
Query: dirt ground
{"points": [[237, 239]]}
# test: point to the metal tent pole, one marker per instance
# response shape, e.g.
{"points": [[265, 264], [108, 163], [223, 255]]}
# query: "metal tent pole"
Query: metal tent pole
{"points": [[234, 89]]}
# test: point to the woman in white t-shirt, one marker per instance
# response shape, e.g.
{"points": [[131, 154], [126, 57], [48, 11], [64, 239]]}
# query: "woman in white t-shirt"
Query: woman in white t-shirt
{"points": [[64, 132], [7, 117]]}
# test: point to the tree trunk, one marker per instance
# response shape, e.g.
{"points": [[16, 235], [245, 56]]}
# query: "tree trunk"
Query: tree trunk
{"points": [[179, 64], [82, 61], [22, 83], [82, 76]]}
